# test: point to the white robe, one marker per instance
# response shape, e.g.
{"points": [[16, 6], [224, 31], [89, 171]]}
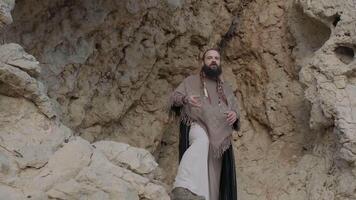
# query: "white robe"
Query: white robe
{"points": [[197, 169]]}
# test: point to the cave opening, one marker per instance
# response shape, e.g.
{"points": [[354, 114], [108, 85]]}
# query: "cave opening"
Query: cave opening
{"points": [[345, 54], [337, 18], [311, 33]]}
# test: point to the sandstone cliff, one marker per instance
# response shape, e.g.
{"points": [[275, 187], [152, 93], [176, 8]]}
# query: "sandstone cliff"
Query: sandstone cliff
{"points": [[89, 76]]}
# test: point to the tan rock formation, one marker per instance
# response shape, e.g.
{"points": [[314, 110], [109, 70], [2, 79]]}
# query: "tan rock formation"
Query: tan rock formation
{"points": [[5, 12], [35, 165], [328, 70], [109, 65], [18, 72], [94, 172], [106, 70], [39, 158]]}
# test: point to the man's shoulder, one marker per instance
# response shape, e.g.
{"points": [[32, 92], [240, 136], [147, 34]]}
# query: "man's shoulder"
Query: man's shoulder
{"points": [[191, 77], [226, 83]]}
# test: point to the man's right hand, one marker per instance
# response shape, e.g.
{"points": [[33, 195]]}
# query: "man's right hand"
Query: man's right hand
{"points": [[194, 100]]}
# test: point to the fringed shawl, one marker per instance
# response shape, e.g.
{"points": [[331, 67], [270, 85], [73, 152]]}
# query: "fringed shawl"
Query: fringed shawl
{"points": [[210, 115]]}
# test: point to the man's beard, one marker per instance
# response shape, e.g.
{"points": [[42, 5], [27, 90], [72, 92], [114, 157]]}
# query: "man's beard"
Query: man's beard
{"points": [[212, 72]]}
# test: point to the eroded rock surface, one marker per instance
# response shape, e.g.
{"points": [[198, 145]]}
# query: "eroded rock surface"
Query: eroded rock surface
{"points": [[103, 71], [40, 159], [328, 70], [5, 12]]}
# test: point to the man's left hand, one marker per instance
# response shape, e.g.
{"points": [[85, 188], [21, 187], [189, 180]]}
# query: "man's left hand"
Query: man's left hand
{"points": [[231, 117]]}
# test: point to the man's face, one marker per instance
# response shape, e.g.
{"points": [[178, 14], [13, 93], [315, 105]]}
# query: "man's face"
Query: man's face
{"points": [[212, 59], [211, 64]]}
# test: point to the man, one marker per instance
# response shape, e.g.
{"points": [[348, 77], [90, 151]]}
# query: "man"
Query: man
{"points": [[208, 114]]}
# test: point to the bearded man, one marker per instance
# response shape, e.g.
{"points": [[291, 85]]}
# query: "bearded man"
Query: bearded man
{"points": [[208, 113]]}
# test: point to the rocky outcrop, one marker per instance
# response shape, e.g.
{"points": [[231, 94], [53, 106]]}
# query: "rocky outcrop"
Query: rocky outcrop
{"points": [[40, 158], [93, 171], [328, 69], [110, 65], [5, 12], [105, 71], [18, 72], [325, 38], [99, 171]]}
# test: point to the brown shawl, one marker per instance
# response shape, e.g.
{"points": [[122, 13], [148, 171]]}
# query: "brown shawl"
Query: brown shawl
{"points": [[210, 115]]}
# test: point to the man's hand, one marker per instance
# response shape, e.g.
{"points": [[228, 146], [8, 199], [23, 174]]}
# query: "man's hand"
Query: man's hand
{"points": [[193, 100], [231, 117]]}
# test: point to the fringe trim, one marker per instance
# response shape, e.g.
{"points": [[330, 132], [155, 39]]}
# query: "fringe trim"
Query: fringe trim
{"points": [[186, 119], [175, 112], [218, 152], [172, 110]]}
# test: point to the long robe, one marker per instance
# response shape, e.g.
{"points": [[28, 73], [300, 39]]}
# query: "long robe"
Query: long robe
{"points": [[228, 186]]}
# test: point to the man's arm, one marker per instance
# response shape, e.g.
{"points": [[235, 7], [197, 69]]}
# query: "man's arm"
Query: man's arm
{"points": [[178, 99]]}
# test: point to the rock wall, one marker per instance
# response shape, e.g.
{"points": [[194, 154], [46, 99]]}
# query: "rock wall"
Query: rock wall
{"points": [[39, 156], [328, 71], [5, 10], [106, 69]]}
